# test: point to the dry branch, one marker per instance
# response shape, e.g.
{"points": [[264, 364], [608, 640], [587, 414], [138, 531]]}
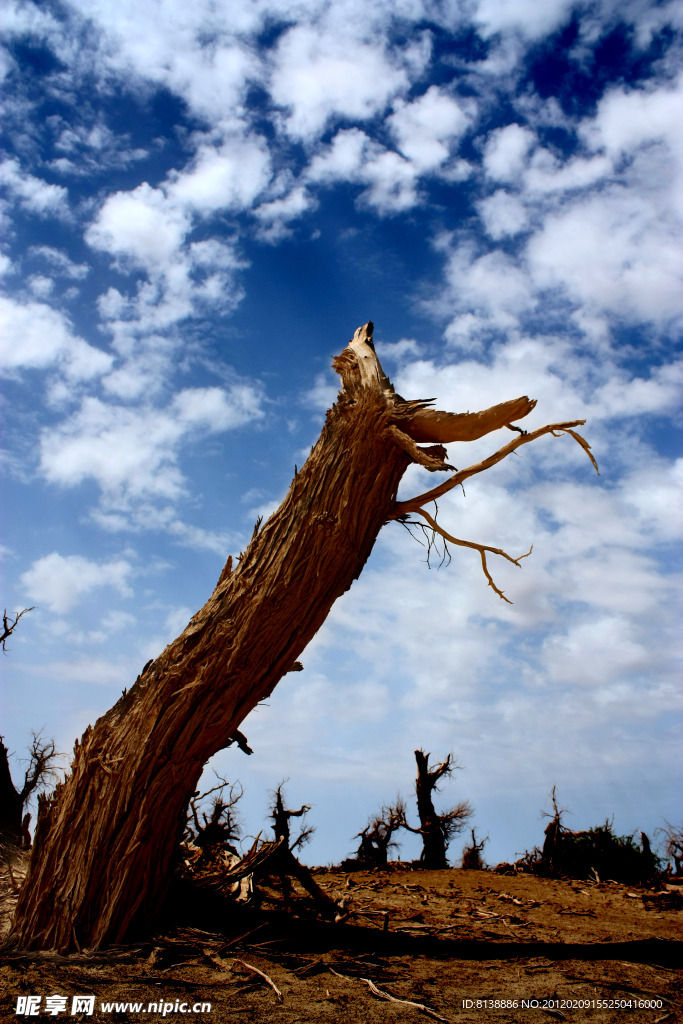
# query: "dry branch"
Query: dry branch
{"points": [[392, 999], [8, 626], [402, 508], [268, 980], [481, 548], [434, 425]]}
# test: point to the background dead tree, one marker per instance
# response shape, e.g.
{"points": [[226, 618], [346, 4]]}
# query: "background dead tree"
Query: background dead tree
{"points": [[8, 626], [281, 816], [376, 839], [550, 854], [472, 859], [595, 854], [219, 828], [436, 830], [40, 773], [673, 845], [105, 842]]}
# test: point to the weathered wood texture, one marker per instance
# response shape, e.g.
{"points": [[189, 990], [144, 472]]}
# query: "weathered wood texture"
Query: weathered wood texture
{"points": [[103, 844]]}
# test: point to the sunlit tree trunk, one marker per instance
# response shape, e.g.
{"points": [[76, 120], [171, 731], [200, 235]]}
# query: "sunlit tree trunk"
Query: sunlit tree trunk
{"points": [[103, 845]]}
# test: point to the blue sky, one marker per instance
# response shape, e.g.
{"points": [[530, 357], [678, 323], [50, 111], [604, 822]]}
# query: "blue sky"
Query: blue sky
{"points": [[200, 204]]}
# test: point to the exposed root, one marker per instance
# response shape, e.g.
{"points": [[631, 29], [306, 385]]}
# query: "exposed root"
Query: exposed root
{"points": [[481, 548]]}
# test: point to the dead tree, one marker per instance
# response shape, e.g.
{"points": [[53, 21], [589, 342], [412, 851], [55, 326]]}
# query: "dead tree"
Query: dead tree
{"points": [[376, 839], [8, 626], [436, 830], [673, 846], [219, 827], [472, 859], [14, 822], [281, 818], [106, 839]]}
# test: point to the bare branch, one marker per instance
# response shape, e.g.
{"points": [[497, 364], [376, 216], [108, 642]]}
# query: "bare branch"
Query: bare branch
{"points": [[429, 458], [584, 444], [435, 425], [402, 508], [481, 548], [269, 981], [40, 771], [9, 626]]}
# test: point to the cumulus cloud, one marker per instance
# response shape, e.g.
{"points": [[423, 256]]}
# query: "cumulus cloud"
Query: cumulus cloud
{"points": [[59, 581], [33, 194], [318, 75], [425, 127], [353, 157], [506, 151], [143, 224], [228, 176], [503, 215], [35, 336], [603, 227], [616, 253], [132, 453], [276, 215]]}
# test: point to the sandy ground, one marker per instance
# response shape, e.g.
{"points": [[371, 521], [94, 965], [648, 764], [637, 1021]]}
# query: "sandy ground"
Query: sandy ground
{"points": [[464, 945]]}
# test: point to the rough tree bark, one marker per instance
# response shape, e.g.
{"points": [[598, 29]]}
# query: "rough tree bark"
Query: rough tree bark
{"points": [[103, 844]]}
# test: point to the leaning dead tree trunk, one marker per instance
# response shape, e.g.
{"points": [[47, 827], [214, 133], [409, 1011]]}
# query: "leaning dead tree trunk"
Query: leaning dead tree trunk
{"points": [[104, 842]]}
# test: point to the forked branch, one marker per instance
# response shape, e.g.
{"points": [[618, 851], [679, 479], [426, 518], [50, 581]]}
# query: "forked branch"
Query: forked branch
{"points": [[403, 508], [8, 626], [481, 548]]}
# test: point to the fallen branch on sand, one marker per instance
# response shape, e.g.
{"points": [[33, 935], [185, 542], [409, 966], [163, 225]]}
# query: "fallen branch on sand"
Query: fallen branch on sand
{"points": [[269, 981], [392, 999]]}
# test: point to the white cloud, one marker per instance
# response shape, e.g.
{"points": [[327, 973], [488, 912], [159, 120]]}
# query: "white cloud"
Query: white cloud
{"points": [[607, 224], [619, 252], [503, 214], [60, 581], [33, 194], [505, 152], [35, 336], [132, 453], [425, 127], [229, 176], [149, 227], [91, 147], [276, 215], [628, 119], [323, 394], [492, 285], [353, 157], [547, 174], [143, 224], [318, 75], [40, 285], [60, 263], [526, 17]]}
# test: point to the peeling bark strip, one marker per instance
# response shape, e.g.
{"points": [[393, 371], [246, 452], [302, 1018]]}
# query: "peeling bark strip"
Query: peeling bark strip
{"points": [[103, 844]]}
